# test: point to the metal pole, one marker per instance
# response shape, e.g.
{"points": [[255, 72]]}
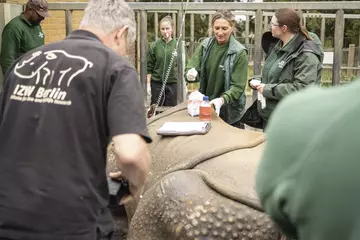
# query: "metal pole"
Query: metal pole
{"points": [[138, 64], [156, 23], [180, 82], [322, 33], [143, 49], [257, 46], [338, 45], [247, 31], [210, 27], [68, 14], [174, 21], [192, 34]]}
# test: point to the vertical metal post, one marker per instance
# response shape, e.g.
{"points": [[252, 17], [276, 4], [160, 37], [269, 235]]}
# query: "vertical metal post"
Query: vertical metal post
{"points": [[143, 49], [257, 46], [175, 25], [209, 27], [138, 41], [156, 25], [266, 22], [192, 34], [322, 33], [68, 15], [247, 31], [338, 45], [181, 47]]}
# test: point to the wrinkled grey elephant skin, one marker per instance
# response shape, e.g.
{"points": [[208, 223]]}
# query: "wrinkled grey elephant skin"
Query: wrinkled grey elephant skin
{"points": [[201, 186]]}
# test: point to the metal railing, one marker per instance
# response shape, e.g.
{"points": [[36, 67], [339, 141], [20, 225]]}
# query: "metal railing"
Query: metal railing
{"points": [[259, 10]]}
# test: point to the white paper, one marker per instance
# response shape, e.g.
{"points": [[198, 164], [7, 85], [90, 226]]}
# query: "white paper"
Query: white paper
{"points": [[184, 128], [262, 100]]}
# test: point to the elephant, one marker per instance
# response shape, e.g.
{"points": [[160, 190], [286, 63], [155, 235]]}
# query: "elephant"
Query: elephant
{"points": [[200, 186]]}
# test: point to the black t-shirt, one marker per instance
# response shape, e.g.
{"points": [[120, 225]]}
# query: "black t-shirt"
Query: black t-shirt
{"points": [[60, 106]]}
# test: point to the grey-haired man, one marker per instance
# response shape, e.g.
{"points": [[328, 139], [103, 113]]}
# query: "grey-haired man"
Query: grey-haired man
{"points": [[62, 103]]}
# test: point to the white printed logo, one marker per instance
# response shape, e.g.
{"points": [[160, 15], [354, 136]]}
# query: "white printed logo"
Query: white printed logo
{"points": [[41, 35], [281, 64], [24, 70], [74, 65]]}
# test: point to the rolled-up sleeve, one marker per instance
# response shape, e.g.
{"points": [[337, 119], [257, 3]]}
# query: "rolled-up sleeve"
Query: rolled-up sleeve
{"points": [[305, 73]]}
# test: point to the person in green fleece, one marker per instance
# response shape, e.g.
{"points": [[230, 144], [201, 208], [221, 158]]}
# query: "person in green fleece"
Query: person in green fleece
{"points": [[308, 179], [220, 64], [159, 57], [295, 62], [23, 33]]}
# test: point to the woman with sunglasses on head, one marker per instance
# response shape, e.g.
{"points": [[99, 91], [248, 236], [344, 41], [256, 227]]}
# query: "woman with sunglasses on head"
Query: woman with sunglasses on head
{"points": [[292, 64], [220, 64]]}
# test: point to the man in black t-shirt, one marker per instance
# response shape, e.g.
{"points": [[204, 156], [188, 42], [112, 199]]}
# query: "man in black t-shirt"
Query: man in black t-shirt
{"points": [[61, 105]]}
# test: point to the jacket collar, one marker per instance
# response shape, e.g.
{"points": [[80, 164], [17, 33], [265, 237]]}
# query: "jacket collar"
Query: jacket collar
{"points": [[83, 34], [292, 45], [232, 44], [25, 20]]}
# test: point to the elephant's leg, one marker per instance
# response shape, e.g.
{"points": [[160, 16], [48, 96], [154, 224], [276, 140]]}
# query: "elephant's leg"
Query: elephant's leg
{"points": [[181, 206]]}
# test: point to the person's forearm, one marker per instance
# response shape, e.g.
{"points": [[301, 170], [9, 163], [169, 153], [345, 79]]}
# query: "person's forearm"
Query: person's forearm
{"points": [[132, 158]]}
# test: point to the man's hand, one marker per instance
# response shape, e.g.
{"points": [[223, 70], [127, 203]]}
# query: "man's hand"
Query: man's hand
{"points": [[133, 159], [191, 74], [217, 102], [135, 192]]}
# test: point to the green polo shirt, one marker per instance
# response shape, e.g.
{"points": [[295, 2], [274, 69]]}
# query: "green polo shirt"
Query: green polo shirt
{"points": [[18, 37]]}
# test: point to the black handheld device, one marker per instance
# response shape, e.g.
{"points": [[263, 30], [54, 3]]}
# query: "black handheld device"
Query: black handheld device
{"points": [[118, 188]]}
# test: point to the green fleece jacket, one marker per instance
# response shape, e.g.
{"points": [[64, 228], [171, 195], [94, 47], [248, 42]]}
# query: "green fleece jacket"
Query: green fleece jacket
{"points": [[222, 76], [282, 78], [158, 60], [18, 37], [308, 180]]}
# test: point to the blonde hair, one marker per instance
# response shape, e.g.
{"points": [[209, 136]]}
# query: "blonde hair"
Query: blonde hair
{"points": [[167, 19], [223, 14]]}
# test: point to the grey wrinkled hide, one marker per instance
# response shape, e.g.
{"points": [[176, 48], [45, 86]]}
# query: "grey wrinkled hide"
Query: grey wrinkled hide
{"points": [[201, 187]]}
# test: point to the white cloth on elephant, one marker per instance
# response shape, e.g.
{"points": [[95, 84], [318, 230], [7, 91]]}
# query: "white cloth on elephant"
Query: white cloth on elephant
{"points": [[217, 102], [191, 74]]}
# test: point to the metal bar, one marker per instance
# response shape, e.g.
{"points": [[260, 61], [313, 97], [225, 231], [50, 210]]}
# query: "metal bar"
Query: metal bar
{"points": [[138, 39], [156, 23], [322, 31], [209, 25], [247, 30], [258, 50], [68, 26], [192, 34], [163, 6], [180, 81], [265, 23], [143, 50], [317, 15], [175, 25], [338, 41]]}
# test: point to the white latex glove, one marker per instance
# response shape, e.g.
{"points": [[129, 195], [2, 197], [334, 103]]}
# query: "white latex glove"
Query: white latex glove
{"points": [[217, 102], [191, 74]]}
